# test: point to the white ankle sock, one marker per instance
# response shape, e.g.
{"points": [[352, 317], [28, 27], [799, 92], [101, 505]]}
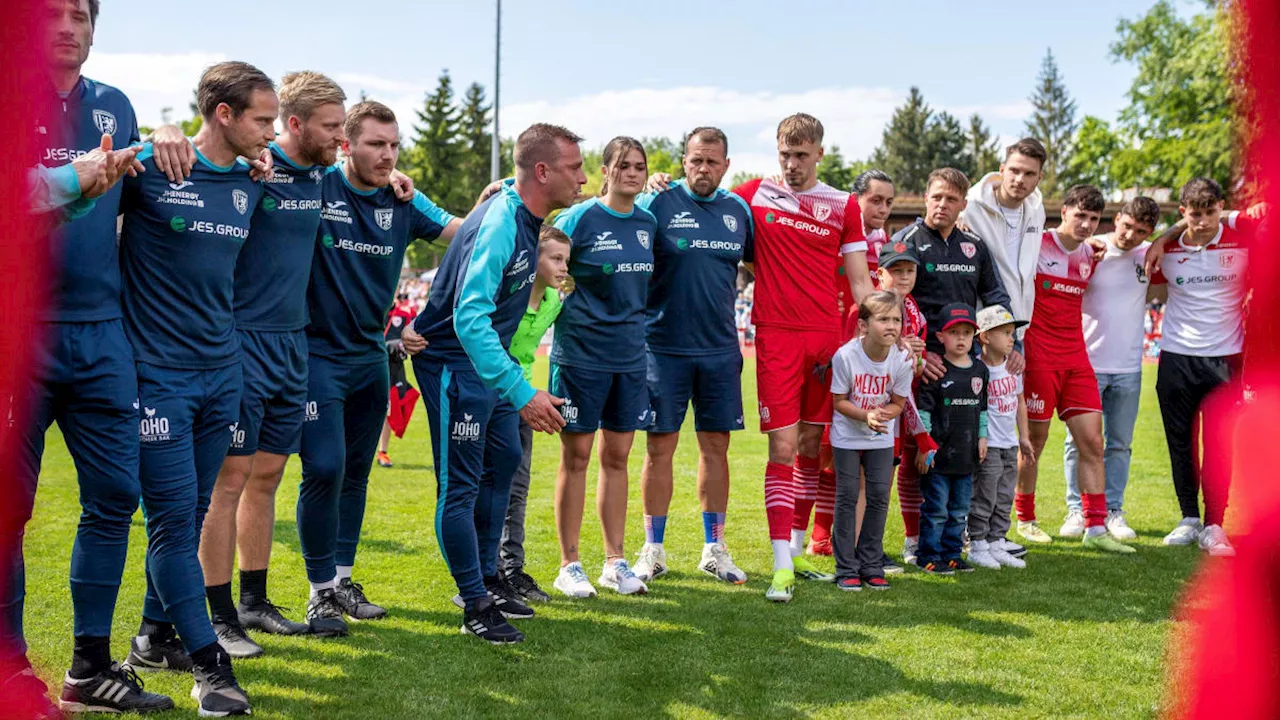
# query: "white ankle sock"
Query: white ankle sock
{"points": [[317, 587], [782, 555], [344, 572], [797, 542]]}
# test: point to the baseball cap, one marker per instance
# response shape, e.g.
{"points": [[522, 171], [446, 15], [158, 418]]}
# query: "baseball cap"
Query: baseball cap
{"points": [[891, 253], [993, 316], [958, 313]]}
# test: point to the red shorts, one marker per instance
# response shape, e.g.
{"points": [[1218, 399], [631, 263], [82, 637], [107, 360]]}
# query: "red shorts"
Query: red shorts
{"points": [[793, 376], [1069, 392]]}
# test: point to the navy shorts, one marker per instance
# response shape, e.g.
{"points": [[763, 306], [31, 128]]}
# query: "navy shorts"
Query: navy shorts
{"points": [[275, 393], [595, 399], [712, 382]]}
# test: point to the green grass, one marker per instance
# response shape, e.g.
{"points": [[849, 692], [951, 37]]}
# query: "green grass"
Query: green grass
{"points": [[1074, 635]]}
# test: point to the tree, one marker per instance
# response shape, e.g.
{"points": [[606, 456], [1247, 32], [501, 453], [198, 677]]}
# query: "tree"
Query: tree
{"points": [[1095, 149], [742, 177], [834, 171], [664, 155], [903, 151], [192, 126], [1053, 121], [945, 142], [437, 154], [982, 148], [476, 141]]}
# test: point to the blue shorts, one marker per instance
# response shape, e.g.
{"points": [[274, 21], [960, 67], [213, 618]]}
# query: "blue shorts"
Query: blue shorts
{"points": [[712, 382], [275, 393], [595, 399]]}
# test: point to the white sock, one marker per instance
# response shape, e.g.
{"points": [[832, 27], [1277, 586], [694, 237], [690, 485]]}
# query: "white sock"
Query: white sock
{"points": [[1095, 531], [317, 587], [782, 555], [344, 573], [797, 541]]}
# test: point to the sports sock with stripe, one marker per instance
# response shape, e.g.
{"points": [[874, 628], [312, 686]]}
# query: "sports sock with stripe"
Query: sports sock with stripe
{"points": [[713, 527], [655, 528]]}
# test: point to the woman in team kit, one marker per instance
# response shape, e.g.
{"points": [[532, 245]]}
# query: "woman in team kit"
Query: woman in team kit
{"points": [[598, 362]]}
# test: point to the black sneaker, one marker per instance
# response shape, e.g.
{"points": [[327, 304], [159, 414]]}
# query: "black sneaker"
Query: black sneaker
{"points": [[354, 603], [150, 653], [1014, 548], [486, 623], [266, 616], [528, 588], [937, 568], [217, 691], [324, 615], [116, 689], [507, 599], [237, 643], [959, 565]]}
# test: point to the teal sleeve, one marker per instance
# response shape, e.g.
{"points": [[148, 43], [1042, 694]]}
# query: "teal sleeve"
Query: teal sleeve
{"points": [[567, 221], [644, 200], [926, 420], [428, 220], [57, 190], [474, 307], [982, 424]]}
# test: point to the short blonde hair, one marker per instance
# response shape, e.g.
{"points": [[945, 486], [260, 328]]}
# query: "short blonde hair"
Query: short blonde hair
{"points": [[551, 233], [876, 302], [302, 92], [799, 129]]}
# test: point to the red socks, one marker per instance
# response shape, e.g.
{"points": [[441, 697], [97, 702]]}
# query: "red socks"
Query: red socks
{"points": [[1095, 509], [779, 500], [806, 493], [909, 497], [1025, 504], [824, 511]]}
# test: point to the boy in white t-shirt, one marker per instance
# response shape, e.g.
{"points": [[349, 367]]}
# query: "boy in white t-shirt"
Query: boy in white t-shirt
{"points": [[870, 383], [1007, 436]]}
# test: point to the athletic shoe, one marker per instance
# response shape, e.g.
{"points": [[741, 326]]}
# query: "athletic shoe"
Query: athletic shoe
{"points": [[959, 565], [1186, 533], [807, 570], [354, 603], [980, 555], [849, 584], [324, 615], [1119, 527], [890, 566], [937, 568], [1031, 532], [717, 562], [876, 583], [782, 587], [486, 622], [1213, 540], [217, 691], [820, 547], [1010, 547], [910, 546], [237, 643], [618, 576], [384, 460], [1073, 526], [506, 599], [527, 587], [1002, 556], [1106, 543], [651, 563], [116, 689], [572, 581], [25, 695], [145, 653], [266, 617]]}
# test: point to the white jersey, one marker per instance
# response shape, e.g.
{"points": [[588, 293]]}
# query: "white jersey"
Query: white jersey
{"points": [[1204, 316], [1115, 310], [867, 384], [1003, 391]]}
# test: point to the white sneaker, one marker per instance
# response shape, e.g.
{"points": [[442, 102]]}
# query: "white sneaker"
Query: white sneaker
{"points": [[909, 547], [1073, 526], [980, 555], [716, 561], [1186, 533], [1213, 540], [572, 581], [1010, 547], [652, 562], [1000, 555], [617, 575], [1119, 527]]}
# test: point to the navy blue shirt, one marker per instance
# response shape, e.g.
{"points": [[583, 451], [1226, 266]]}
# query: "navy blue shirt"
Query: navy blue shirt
{"points": [[481, 293], [178, 259], [700, 242], [87, 287], [354, 273], [275, 263]]}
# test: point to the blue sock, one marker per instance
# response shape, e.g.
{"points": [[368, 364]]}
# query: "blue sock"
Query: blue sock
{"points": [[713, 527], [655, 527]]}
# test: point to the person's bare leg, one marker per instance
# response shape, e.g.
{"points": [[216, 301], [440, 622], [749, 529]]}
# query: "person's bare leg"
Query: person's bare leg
{"points": [[218, 536], [571, 484], [713, 471], [256, 517], [384, 440], [611, 490], [1024, 499], [656, 475]]}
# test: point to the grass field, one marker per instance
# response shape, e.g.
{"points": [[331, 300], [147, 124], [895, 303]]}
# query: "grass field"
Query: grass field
{"points": [[1074, 635]]}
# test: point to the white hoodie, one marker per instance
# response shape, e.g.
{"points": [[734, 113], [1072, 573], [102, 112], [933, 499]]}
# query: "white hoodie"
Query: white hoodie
{"points": [[985, 220]]}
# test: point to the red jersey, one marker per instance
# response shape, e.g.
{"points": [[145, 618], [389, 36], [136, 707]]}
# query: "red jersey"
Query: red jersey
{"points": [[913, 322], [800, 238], [397, 318], [1055, 338]]}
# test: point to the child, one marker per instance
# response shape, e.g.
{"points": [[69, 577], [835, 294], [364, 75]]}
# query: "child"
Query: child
{"points": [[544, 308], [870, 383], [1007, 435], [954, 409]]}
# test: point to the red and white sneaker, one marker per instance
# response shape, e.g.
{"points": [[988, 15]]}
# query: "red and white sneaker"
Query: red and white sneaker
{"points": [[820, 547]]}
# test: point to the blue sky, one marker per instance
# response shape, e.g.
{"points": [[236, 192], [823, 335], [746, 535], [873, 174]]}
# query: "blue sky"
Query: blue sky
{"points": [[656, 68]]}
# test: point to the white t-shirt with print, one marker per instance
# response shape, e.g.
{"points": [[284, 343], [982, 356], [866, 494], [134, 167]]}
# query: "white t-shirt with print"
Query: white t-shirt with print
{"points": [[867, 384], [1115, 310], [1003, 391], [1012, 230]]}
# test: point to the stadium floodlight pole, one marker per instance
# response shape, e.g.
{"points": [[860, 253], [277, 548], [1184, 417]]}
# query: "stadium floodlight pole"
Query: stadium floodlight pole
{"points": [[495, 157]]}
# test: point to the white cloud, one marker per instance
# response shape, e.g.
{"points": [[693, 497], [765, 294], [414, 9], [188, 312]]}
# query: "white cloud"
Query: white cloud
{"points": [[153, 81]]}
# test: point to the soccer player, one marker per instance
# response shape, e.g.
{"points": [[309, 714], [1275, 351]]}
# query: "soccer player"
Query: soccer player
{"points": [[598, 362], [364, 231], [178, 256], [693, 354], [475, 393], [1114, 308], [271, 314], [1059, 376]]}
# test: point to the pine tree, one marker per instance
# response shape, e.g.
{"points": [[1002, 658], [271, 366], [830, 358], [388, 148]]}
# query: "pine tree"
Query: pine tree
{"points": [[983, 149], [834, 171], [945, 142], [434, 161], [475, 140], [903, 151], [1053, 121]]}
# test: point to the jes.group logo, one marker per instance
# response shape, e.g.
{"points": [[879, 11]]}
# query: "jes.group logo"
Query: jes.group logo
{"points": [[178, 224]]}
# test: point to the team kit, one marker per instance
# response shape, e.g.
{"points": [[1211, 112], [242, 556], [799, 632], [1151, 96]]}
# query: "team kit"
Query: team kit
{"points": [[241, 316]]}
